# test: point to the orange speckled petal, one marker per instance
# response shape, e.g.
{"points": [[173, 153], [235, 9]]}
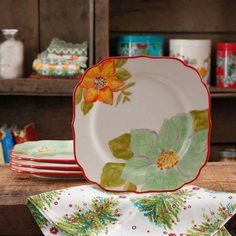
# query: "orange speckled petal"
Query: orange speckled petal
{"points": [[105, 95], [115, 84], [88, 82], [90, 95], [107, 68]]}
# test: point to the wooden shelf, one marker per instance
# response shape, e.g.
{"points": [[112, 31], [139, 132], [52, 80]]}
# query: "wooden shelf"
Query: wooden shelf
{"points": [[221, 92], [31, 87], [65, 87]]}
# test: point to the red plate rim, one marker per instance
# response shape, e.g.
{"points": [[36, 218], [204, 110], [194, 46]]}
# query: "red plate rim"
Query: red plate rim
{"points": [[60, 173], [153, 58], [50, 167], [47, 160]]}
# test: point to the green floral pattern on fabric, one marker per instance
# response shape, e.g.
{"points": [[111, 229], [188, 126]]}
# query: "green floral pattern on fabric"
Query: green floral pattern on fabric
{"points": [[212, 221], [87, 210], [45, 200], [92, 221], [39, 218], [163, 209], [223, 232]]}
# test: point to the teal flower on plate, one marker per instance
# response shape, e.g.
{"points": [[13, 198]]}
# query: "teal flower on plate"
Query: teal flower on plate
{"points": [[167, 160]]}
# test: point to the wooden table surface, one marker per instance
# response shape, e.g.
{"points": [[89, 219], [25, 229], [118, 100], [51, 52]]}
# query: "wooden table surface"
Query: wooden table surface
{"points": [[15, 218]]}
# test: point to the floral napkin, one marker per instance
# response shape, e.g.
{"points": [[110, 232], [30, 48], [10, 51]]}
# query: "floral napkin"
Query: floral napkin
{"points": [[88, 211]]}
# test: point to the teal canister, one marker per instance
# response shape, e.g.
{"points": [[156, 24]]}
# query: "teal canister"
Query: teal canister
{"points": [[136, 45]]}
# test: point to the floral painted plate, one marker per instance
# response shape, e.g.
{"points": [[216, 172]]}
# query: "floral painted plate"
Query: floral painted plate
{"points": [[53, 173], [44, 165], [141, 124], [45, 151]]}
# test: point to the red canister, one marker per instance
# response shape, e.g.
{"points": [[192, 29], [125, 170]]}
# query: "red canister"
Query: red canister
{"points": [[226, 65]]}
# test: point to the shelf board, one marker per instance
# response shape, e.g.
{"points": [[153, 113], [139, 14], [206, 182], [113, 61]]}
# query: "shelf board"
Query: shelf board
{"points": [[37, 87], [65, 87], [222, 92]]}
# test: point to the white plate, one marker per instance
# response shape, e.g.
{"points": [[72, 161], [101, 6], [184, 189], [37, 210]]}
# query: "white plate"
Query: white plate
{"points": [[53, 173], [141, 124], [44, 165], [54, 151]]}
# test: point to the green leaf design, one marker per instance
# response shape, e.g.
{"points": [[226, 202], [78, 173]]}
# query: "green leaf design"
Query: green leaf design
{"points": [[91, 221], [130, 187], [195, 155], [123, 74], [211, 224], [121, 146], [223, 232], [39, 218], [175, 131], [129, 85], [200, 119], [119, 98], [44, 201], [127, 93], [163, 209], [144, 142], [78, 95], [111, 173], [136, 169], [86, 107], [120, 62], [126, 99]]}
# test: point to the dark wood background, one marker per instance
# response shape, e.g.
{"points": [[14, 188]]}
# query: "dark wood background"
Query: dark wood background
{"points": [[39, 21], [190, 19]]}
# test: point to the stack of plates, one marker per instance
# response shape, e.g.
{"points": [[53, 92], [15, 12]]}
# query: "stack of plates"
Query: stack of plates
{"points": [[47, 158]]}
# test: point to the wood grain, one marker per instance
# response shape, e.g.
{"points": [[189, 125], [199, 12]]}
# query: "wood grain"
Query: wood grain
{"points": [[22, 15], [217, 148], [172, 16], [223, 119], [67, 20], [16, 188], [52, 115], [101, 29], [41, 87]]}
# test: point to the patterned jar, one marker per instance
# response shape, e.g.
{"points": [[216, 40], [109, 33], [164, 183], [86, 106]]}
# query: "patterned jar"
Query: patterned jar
{"points": [[226, 65], [195, 52], [136, 45]]}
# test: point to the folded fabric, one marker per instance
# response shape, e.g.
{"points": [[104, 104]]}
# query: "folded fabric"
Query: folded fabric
{"points": [[57, 69], [62, 59], [88, 211], [58, 46]]}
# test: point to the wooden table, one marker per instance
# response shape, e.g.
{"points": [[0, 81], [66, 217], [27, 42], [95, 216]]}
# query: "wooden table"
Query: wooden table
{"points": [[15, 218]]}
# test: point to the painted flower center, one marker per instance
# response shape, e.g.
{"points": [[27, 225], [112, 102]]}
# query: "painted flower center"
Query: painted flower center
{"points": [[167, 160], [100, 82]]}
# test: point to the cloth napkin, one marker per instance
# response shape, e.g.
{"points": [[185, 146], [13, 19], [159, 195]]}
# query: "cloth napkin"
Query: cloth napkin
{"points": [[62, 59], [88, 211]]}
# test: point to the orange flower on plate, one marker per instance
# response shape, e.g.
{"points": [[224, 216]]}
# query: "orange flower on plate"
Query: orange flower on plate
{"points": [[100, 82], [202, 71]]}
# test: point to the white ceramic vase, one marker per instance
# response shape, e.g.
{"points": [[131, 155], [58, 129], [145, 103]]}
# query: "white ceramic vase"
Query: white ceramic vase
{"points": [[196, 53]]}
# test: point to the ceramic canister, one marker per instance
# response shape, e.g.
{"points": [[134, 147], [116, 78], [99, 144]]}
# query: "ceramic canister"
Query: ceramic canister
{"points": [[196, 53], [226, 65], [136, 45]]}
